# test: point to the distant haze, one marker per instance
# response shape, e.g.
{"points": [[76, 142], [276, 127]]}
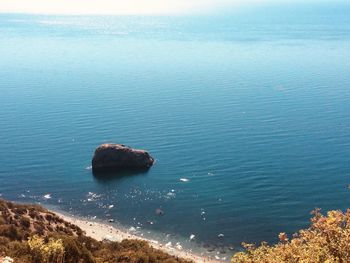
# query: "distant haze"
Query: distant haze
{"points": [[132, 7]]}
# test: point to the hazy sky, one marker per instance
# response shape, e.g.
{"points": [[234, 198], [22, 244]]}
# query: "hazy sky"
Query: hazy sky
{"points": [[124, 7]]}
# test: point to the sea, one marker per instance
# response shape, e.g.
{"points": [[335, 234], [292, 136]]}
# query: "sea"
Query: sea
{"points": [[247, 114]]}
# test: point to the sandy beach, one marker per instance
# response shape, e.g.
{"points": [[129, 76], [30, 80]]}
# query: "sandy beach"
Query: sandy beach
{"points": [[101, 231]]}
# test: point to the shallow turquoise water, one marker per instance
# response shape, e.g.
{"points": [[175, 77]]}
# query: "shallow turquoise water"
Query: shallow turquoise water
{"points": [[253, 111]]}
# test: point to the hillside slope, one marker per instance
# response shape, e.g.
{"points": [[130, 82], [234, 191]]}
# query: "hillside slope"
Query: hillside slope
{"points": [[30, 233]]}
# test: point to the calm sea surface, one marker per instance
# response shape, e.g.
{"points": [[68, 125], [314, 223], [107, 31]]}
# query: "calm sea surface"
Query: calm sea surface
{"points": [[253, 110]]}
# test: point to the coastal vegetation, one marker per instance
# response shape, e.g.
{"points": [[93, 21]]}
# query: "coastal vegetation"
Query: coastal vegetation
{"points": [[326, 240], [30, 233]]}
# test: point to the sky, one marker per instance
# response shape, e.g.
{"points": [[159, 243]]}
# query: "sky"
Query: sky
{"points": [[132, 7]]}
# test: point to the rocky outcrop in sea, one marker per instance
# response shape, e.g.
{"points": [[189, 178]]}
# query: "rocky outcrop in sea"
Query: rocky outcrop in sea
{"points": [[117, 158]]}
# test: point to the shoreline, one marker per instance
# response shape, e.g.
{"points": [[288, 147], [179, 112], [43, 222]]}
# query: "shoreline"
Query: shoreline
{"points": [[101, 231]]}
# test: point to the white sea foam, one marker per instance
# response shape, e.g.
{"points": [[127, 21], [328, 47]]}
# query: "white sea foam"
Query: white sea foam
{"points": [[47, 196], [92, 197], [132, 229], [170, 195], [178, 246], [168, 244]]}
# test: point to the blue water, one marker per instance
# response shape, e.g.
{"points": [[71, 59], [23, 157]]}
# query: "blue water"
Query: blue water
{"points": [[253, 109]]}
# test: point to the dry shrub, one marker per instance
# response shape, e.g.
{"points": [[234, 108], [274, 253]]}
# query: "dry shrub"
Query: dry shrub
{"points": [[49, 252], [49, 217], [10, 231], [326, 240], [33, 213], [19, 210], [25, 222]]}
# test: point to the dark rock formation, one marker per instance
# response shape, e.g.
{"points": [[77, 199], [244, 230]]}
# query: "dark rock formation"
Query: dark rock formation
{"points": [[118, 158]]}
